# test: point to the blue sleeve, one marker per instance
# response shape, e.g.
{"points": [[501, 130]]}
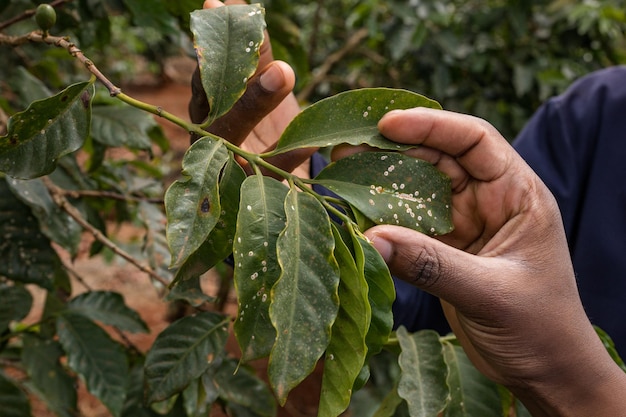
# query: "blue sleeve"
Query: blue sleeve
{"points": [[413, 308], [576, 143]]}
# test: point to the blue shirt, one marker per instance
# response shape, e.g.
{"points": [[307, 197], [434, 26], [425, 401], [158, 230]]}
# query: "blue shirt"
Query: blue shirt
{"points": [[576, 143]]}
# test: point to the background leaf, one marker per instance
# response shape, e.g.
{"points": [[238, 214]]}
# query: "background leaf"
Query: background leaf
{"points": [[183, 352], [350, 117], [471, 393], [41, 359], [193, 203], [259, 223], [13, 401], [392, 188], [117, 126], [16, 303], [227, 41], [423, 380], [96, 357], [109, 308], [304, 299], [48, 129]]}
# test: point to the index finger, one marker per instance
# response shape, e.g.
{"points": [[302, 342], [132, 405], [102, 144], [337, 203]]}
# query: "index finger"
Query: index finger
{"points": [[476, 145]]}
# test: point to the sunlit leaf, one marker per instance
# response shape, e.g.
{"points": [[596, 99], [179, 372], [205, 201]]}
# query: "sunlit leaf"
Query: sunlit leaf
{"points": [[350, 117], [227, 41], [392, 188], [192, 203], [41, 358], [347, 350], [96, 357], [48, 129], [261, 220], [109, 308], [182, 352], [423, 380], [304, 299], [218, 245], [471, 393]]}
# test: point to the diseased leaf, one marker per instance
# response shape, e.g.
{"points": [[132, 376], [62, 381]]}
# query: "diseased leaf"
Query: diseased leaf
{"points": [[13, 401], [193, 204], [48, 129], [108, 308], [183, 352], [423, 380], [304, 299], [219, 244], [392, 188], [350, 117], [15, 305], [347, 350], [261, 220], [471, 393], [96, 357], [41, 359], [227, 41]]}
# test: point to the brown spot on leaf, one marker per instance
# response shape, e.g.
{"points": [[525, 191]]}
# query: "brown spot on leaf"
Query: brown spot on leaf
{"points": [[205, 206]]}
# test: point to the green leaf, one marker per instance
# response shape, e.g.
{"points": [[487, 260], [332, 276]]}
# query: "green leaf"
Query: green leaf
{"points": [[25, 252], [227, 41], [48, 129], [96, 357], [152, 14], [108, 308], [471, 393], [193, 204], [15, 305], [239, 385], [260, 221], [13, 401], [190, 291], [392, 188], [183, 352], [610, 347], [134, 405], [218, 245], [423, 380], [390, 404], [304, 299], [347, 350], [118, 126], [41, 359], [350, 117], [54, 221]]}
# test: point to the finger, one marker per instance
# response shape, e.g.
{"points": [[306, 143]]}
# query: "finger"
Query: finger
{"points": [[448, 273], [474, 143], [264, 93]]}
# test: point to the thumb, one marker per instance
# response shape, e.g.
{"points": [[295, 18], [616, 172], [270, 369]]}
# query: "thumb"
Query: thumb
{"points": [[433, 266]]}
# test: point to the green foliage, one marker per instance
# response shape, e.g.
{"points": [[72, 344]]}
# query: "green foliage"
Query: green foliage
{"points": [[310, 288]]}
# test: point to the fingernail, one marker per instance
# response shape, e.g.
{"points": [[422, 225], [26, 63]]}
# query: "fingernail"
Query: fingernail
{"points": [[272, 79], [383, 247]]}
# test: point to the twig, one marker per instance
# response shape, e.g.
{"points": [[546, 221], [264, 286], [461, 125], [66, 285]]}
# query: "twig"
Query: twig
{"points": [[59, 199], [62, 42], [324, 69], [109, 195]]}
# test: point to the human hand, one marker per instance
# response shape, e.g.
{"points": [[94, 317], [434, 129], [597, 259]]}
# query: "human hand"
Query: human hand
{"points": [[259, 117], [504, 274]]}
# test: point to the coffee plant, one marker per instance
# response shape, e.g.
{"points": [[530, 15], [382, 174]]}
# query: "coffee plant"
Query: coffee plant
{"points": [[311, 290]]}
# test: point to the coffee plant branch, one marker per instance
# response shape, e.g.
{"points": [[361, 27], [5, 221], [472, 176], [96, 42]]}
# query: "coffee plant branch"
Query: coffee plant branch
{"points": [[29, 13], [109, 195], [60, 200]]}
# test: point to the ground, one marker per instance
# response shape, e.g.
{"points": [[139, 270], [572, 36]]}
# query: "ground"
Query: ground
{"points": [[172, 93]]}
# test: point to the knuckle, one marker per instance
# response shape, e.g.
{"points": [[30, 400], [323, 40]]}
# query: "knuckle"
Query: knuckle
{"points": [[425, 268]]}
